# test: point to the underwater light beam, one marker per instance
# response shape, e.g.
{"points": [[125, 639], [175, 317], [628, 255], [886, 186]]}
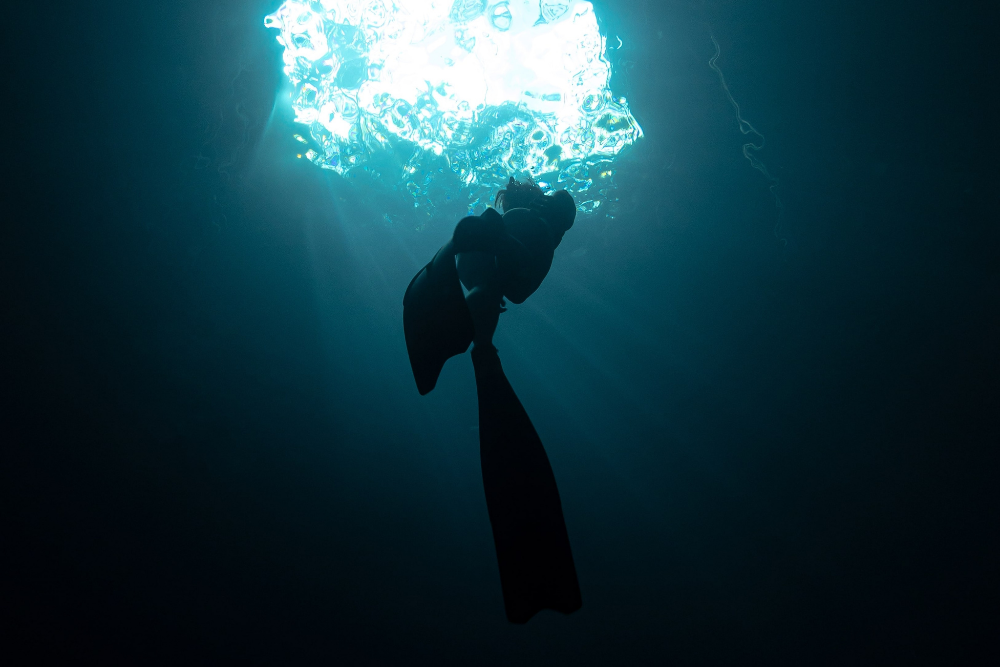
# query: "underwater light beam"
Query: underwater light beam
{"points": [[487, 88]]}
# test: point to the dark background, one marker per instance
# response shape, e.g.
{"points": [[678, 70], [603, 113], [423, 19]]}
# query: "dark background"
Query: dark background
{"points": [[773, 447]]}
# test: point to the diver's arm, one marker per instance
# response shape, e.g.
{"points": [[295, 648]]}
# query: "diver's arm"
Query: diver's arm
{"points": [[526, 260]]}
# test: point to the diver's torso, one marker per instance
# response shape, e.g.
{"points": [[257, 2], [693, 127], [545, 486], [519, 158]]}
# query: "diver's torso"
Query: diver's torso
{"points": [[520, 265]]}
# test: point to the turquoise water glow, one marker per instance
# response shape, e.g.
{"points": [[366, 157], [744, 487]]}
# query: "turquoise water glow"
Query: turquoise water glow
{"points": [[479, 89]]}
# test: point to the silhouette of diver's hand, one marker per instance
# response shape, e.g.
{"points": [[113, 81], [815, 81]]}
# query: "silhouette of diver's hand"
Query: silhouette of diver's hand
{"points": [[485, 305]]}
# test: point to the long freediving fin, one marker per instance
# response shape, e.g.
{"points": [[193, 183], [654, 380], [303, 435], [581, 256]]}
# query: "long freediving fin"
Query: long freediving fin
{"points": [[529, 532], [436, 320]]}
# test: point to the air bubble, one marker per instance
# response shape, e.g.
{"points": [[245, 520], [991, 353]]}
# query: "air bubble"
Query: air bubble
{"points": [[467, 10], [500, 16], [553, 10], [592, 103]]}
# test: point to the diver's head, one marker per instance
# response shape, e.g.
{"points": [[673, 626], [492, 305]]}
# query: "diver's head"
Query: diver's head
{"points": [[518, 195], [558, 210]]}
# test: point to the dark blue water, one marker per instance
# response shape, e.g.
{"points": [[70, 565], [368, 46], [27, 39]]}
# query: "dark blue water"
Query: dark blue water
{"points": [[773, 446]]}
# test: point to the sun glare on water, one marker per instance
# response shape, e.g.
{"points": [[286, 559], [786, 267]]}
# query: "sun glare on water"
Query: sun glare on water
{"points": [[479, 89]]}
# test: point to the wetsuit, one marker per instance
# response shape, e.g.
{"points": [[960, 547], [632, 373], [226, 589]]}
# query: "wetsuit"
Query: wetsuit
{"points": [[513, 251], [500, 257]]}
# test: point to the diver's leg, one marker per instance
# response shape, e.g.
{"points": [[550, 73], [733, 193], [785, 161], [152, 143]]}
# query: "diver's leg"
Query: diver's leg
{"points": [[444, 257], [436, 319], [485, 305], [529, 532]]}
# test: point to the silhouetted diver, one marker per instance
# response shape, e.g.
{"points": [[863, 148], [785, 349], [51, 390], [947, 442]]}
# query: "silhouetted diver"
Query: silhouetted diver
{"points": [[500, 257]]}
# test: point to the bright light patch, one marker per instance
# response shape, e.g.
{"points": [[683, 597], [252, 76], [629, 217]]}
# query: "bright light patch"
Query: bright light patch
{"points": [[493, 88]]}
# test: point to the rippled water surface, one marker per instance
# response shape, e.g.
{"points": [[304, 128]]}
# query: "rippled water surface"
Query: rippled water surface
{"points": [[460, 93]]}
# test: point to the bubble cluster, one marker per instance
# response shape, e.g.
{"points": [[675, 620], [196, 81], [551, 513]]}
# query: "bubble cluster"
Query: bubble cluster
{"points": [[487, 89]]}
